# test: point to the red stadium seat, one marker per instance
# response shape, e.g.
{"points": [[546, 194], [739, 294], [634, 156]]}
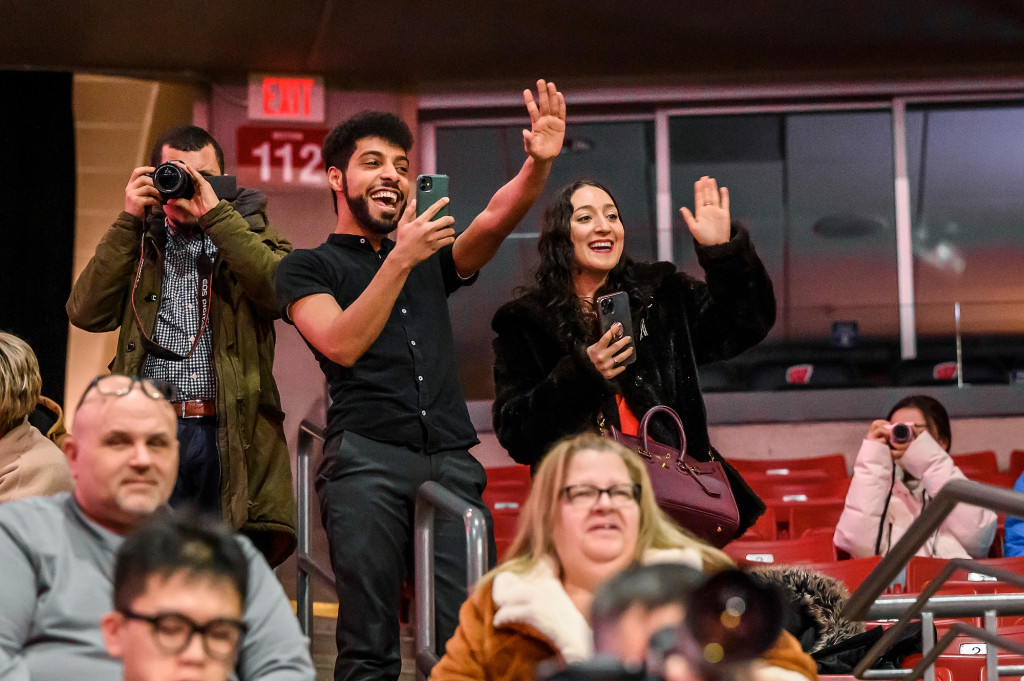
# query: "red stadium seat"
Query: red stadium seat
{"points": [[850, 572], [506, 491], [830, 464], [922, 570], [809, 549], [800, 488], [818, 516], [976, 462], [766, 527]]}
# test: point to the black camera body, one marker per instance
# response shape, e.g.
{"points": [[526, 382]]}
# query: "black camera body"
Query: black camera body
{"points": [[174, 182]]}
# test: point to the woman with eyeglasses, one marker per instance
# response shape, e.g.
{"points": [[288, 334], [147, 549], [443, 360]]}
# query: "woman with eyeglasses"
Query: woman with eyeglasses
{"points": [[590, 514], [903, 462]]}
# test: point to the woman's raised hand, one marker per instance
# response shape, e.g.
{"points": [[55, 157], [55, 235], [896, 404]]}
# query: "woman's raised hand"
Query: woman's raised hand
{"points": [[709, 223]]}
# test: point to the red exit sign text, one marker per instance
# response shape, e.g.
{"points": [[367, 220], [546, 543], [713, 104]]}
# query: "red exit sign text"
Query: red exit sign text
{"points": [[286, 98]]}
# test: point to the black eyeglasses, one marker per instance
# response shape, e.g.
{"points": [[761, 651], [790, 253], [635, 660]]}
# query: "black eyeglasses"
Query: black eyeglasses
{"points": [[622, 494], [118, 385], [173, 632]]}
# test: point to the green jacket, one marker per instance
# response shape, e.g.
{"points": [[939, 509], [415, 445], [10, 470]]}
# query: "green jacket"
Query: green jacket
{"points": [[256, 481]]}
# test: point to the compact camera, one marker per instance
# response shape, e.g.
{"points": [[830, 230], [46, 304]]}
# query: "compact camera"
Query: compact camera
{"points": [[174, 182], [901, 433]]}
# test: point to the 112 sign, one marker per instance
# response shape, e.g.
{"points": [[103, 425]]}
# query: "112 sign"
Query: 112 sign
{"points": [[281, 155]]}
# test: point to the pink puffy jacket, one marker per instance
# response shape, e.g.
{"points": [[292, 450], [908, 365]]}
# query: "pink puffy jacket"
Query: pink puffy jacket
{"points": [[967, 532]]}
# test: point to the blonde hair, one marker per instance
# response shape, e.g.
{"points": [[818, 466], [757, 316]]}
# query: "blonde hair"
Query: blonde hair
{"points": [[534, 538], [20, 382]]}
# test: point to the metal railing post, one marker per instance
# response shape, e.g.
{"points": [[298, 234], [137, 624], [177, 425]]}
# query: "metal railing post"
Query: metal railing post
{"points": [[305, 565], [431, 497]]}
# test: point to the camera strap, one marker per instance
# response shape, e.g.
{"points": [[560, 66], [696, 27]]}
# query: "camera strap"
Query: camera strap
{"points": [[204, 286]]}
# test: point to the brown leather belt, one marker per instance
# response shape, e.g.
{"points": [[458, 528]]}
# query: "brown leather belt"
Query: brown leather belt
{"points": [[195, 409]]}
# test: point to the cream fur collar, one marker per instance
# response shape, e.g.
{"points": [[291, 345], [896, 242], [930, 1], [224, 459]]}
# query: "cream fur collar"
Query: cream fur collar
{"points": [[536, 598]]}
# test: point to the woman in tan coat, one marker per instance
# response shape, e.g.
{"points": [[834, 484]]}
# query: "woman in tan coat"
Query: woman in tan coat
{"points": [[30, 464], [590, 514]]}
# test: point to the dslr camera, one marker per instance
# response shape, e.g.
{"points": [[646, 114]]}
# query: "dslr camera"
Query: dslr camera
{"points": [[730, 620], [174, 182], [901, 433]]}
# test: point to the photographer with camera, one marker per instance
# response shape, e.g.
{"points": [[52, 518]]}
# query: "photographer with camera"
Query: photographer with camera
{"points": [[590, 514], [187, 273], [903, 462]]}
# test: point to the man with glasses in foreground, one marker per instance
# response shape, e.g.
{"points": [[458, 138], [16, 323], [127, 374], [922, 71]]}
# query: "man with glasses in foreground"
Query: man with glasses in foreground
{"points": [[58, 552], [179, 586]]}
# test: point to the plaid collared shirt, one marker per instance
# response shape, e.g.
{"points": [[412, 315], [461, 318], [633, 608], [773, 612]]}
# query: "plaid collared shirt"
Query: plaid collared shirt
{"points": [[178, 321]]}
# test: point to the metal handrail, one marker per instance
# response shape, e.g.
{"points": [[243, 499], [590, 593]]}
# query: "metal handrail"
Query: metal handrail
{"points": [[431, 497], [952, 493], [305, 564], [864, 603]]}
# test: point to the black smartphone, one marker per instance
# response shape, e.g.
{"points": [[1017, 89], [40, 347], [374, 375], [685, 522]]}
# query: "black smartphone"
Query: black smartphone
{"points": [[429, 190], [612, 308]]}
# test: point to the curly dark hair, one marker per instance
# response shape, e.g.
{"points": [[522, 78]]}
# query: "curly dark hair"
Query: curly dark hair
{"points": [[555, 288], [341, 142]]}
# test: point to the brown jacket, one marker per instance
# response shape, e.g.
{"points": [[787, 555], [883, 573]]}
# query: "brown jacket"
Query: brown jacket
{"points": [[503, 637]]}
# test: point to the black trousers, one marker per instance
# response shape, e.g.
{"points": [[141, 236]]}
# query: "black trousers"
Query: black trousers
{"points": [[198, 481], [367, 492]]}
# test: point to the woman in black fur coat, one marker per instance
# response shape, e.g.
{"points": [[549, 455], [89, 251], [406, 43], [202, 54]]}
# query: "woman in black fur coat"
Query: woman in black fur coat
{"points": [[554, 376]]}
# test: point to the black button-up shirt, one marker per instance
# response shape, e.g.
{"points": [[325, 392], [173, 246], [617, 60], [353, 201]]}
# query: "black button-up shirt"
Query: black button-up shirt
{"points": [[405, 389]]}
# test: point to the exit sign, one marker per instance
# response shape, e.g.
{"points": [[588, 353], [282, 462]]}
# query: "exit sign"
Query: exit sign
{"points": [[286, 98]]}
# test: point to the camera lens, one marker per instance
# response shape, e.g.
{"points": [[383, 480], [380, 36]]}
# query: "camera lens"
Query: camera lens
{"points": [[172, 182], [901, 434], [426, 183], [733, 617], [606, 306]]}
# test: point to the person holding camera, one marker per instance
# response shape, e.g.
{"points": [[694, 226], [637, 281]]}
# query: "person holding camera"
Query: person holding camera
{"points": [[556, 374], [186, 272], [903, 462], [590, 514]]}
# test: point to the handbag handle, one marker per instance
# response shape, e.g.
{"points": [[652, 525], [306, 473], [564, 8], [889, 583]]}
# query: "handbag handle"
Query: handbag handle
{"points": [[675, 418], [680, 462]]}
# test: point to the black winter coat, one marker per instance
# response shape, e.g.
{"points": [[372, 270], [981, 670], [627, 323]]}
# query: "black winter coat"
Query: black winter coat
{"points": [[546, 389]]}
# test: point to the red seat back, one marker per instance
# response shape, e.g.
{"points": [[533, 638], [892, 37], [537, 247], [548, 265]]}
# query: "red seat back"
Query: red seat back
{"points": [[815, 515], [850, 572], [809, 549], [977, 462], [830, 464], [506, 491]]}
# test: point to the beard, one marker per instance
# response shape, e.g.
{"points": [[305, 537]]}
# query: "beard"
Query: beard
{"points": [[359, 206]]}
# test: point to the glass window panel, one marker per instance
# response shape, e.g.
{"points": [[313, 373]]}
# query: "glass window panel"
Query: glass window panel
{"points": [[816, 192], [966, 167], [479, 160]]}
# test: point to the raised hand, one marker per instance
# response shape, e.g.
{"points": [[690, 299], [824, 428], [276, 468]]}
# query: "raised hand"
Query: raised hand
{"points": [[418, 238], [543, 141], [608, 357], [709, 223], [140, 193]]}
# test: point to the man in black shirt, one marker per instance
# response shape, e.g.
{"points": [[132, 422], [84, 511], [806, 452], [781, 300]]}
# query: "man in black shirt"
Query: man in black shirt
{"points": [[374, 311]]}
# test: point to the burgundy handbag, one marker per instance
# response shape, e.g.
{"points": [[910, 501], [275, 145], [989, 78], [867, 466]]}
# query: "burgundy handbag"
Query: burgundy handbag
{"points": [[695, 494]]}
